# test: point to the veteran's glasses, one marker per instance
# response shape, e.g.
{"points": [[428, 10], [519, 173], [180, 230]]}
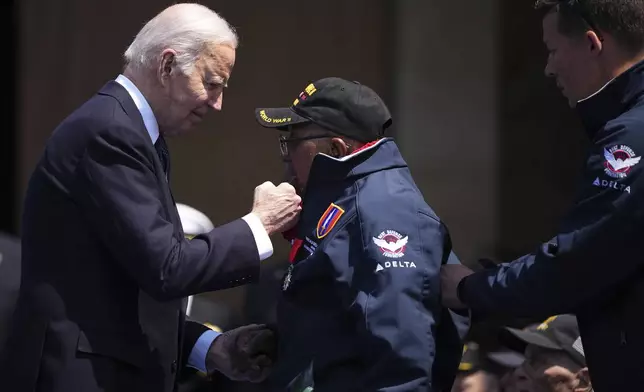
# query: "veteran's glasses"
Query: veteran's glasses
{"points": [[286, 141]]}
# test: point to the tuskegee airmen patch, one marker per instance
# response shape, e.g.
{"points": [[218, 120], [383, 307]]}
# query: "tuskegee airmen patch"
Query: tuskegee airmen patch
{"points": [[330, 217]]}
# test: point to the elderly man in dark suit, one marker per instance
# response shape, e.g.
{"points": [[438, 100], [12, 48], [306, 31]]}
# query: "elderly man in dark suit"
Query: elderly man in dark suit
{"points": [[106, 267]]}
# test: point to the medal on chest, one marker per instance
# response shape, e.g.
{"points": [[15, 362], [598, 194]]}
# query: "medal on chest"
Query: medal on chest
{"points": [[295, 247], [325, 224], [287, 279]]}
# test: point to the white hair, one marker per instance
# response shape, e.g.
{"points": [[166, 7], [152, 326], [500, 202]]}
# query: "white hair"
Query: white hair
{"points": [[187, 28]]}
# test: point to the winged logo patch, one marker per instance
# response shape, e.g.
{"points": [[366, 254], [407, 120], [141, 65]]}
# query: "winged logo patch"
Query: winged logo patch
{"points": [[391, 243], [619, 161]]}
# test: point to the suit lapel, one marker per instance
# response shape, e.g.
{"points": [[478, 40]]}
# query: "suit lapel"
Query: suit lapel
{"points": [[118, 92], [115, 90], [159, 320]]}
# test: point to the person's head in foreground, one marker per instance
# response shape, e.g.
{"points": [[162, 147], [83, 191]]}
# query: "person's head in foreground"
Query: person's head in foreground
{"points": [[331, 116], [555, 360], [473, 373], [590, 42], [181, 61]]}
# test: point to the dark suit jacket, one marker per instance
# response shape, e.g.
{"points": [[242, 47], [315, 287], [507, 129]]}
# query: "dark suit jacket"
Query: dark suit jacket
{"points": [[105, 263]]}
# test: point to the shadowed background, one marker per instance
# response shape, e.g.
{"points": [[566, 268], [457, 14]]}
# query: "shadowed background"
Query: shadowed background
{"points": [[489, 140]]}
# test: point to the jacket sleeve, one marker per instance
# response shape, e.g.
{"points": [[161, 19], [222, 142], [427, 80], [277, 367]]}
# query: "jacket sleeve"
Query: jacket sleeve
{"points": [[599, 247], [397, 299], [118, 192], [460, 318]]}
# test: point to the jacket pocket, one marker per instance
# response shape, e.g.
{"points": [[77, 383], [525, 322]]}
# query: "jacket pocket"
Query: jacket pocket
{"points": [[115, 348]]}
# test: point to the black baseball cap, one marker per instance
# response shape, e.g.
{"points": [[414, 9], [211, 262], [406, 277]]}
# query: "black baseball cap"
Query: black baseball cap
{"points": [[475, 358], [471, 358], [347, 108], [556, 333]]}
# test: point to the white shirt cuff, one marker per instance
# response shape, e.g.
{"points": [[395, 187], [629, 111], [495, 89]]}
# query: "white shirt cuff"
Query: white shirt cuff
{"points": [[263, 241]]}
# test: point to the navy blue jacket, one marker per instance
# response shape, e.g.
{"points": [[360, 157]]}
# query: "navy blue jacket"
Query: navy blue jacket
{"points": [[361, 306], [594, 267]]}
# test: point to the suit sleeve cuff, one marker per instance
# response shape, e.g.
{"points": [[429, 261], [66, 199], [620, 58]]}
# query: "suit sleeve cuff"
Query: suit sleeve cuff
{"points": [[262, 240], [473, 314], [197, 358]]}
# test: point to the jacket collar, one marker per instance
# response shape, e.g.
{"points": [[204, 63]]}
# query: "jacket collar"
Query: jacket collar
{"points": [[612, 100], [118, 92], [382, 155]]}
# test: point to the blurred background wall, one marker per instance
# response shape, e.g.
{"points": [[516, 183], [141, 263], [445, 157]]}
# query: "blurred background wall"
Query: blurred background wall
{"points": [[492, 145]]}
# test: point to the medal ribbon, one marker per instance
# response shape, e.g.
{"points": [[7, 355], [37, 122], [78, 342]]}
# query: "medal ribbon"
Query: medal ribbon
{"points": [[296, 244]]}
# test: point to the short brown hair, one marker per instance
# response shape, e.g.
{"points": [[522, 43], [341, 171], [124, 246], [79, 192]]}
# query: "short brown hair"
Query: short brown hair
{"points": [[622, 19]]}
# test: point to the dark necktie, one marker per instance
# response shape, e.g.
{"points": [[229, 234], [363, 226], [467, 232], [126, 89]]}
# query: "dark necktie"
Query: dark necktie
{"points": [[164, 155], [160, 320]]}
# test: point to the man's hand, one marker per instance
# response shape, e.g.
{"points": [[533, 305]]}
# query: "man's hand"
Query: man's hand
{"points": [[243, 354], [451, 275], [277, 207], [561, 379]]}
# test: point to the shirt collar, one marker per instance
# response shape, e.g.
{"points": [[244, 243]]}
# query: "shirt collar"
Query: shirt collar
{"points": [[142, 104]]}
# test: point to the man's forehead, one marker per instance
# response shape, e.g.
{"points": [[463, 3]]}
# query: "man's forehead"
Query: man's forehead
{"points": [[220, 60], [550, 24]]}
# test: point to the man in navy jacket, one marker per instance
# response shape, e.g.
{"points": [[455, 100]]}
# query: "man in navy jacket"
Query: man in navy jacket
{"points": [[360, 309], [594, 267]]}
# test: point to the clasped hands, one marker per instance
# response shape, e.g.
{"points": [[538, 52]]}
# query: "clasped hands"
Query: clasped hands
{"points": [[247, 353]]}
